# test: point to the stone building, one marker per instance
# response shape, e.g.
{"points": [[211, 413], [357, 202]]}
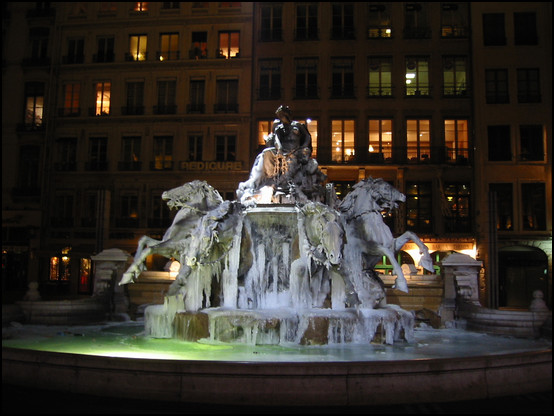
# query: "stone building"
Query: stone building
{"points": [[106, 105]]}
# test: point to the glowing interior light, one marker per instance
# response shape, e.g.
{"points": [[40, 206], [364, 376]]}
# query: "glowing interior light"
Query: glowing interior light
{"points": [[371, 149], [410, 76]]}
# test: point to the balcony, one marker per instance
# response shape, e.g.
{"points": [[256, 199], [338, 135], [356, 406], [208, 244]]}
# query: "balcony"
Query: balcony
{"points": [[165, 109], [135, 110], [129, 166]]}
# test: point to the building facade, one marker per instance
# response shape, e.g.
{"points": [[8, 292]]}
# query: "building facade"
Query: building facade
{"points": [[106, 105]]}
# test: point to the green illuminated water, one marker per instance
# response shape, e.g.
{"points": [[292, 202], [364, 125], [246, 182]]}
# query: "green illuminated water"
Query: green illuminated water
{"points": [[126, 340]]}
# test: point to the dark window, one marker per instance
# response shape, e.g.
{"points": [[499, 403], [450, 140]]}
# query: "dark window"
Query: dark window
{"points": [[306, 22], [528, 86], [28, 173], [166, 97], [306, 78], [225, 148], [98, 153], [135, 99], [196, 96], [494, 32], [416, 25], [499, 143], [342, 21], [533, 202], [271, 23], [458, 197], [419, 207], [531, 143], [342, 85], [227, 96], [130, 153], [195, 147], [270, 80], [503, 194], [67, 154], [75, 51], [199, 47], [525, 29], [496, 86], [105, 52]]}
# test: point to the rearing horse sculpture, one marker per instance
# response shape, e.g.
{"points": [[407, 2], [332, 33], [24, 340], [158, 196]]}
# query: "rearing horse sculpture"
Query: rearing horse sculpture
{"points": [[362, 212], [194, 200]]}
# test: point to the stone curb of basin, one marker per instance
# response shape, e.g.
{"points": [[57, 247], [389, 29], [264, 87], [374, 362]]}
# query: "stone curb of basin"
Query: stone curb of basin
{"points": [[278, 383]]}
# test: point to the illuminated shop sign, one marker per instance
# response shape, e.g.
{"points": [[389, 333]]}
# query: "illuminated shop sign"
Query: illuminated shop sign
{"points": [[211, 165]]}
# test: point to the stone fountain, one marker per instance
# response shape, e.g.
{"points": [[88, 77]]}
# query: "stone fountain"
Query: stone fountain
{"points": [[284, 263]]}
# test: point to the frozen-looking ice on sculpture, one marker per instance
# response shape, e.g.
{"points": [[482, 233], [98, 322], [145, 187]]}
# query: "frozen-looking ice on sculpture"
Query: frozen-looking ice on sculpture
{"points": [[286, 262]]}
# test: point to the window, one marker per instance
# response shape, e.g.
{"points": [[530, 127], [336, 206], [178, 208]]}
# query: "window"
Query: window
{"points": [[225, 148], [140, 6], [130, 153], [311, 125], [499, 143], [34, 104], [454, 20], [456, 140], [128, 210], [196, 96], [105, 51], [306, 22], [306, 78], [533, 202], [167, 5], [525, 29], [67, 154], [229, 45], [380, 76], [264, 129], [502, 195], [227, 96], [417, 76], [28, 169], [458, 207], [195, 147], [63, 211], [71, 99], [342, 82], [85, 279], [416, 25], [271, 22], [531, 145], [380, 140], [103, 94], [90, 211], [342, 21], [60, 266], [454, 76], [159, 211], [528, 88], [496, 86], [270, 79], [166, 97], [75, 51], [135, 99], [169, 47], [163, 153], [418, 140], [199, 48], [342, 133], [419, 207], [137, 48], [379, 21], [494, 32], [98, 154], [38, 39]]}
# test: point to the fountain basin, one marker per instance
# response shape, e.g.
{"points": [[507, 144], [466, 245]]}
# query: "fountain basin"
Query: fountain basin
{"points": [[440, 365]]}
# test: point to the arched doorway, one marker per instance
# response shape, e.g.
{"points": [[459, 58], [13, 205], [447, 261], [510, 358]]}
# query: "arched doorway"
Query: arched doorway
{"points": [[521, 271]]}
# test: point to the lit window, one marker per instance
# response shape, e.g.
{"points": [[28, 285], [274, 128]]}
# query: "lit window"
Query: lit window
{"points": [[417, 76], [72, 95], [380, 76], [169, 46], [454, 76], [137, 47], [103, 98], [456, 140], [380, 140], [140, 6], [34, 104], [85, 281], [342, 140], [418, 140], [379, 22], [229, 45]]}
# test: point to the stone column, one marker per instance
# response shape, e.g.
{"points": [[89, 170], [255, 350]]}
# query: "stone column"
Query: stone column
{"points": [[461, 277], [109, 266]]}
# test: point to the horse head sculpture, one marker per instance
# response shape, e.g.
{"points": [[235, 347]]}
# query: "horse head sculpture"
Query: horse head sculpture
{"points": [[197, 195]]}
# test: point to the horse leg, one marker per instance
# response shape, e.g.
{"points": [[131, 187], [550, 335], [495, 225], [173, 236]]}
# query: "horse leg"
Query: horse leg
{"points": [[400, 282], [425, 261]]}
